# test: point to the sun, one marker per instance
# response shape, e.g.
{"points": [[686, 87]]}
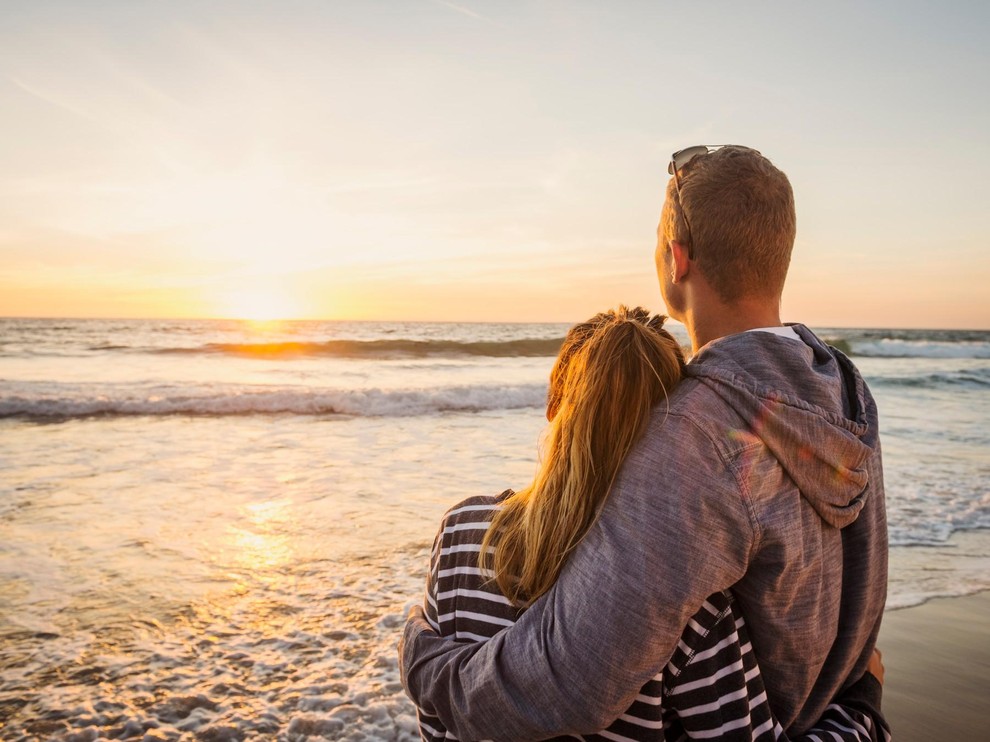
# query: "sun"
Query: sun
{"points": [[259, 305]]}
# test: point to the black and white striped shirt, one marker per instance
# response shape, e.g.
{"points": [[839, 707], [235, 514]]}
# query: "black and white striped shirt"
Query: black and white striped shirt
{"points": [[711, 688]]}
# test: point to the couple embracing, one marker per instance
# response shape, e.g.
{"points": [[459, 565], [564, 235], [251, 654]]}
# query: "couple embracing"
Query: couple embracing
{"points": [[703, 551]]}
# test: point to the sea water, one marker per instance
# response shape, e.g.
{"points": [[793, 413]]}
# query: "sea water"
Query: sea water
{"points": [[211, 530]]}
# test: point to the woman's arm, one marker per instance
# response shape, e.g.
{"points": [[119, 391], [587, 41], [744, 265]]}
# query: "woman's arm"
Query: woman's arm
{"points": [[854, 716], [713, 688], [460, 603], [431, 729]]}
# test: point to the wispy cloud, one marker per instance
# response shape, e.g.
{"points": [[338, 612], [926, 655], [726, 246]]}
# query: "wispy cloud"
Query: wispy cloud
{"points": [[468, 12], [53, 100]]}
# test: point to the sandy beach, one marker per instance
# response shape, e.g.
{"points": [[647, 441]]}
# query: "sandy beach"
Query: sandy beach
{"points": [[937, 659]]}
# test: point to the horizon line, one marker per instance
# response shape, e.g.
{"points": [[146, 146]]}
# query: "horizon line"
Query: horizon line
{"points": [[436, 321]]}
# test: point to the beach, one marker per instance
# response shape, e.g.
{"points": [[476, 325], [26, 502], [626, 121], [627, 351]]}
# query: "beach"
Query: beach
{"points": [[213, 529], [937, 660]]}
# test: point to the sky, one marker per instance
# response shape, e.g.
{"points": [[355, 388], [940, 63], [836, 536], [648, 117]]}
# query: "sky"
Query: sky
{"points": [[479, 160]]}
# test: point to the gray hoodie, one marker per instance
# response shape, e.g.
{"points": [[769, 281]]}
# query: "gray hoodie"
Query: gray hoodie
{"points": [[763, 474]]}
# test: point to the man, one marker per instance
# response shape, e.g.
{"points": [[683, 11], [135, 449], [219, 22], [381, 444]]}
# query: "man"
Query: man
{"points": [[762, 473]]}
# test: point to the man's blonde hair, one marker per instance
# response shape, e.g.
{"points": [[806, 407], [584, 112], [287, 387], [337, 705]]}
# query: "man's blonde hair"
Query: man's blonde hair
{"points": [[740, 209], [610, 373]]}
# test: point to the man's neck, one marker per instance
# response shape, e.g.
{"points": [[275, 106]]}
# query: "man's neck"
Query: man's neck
{"points": [[728, 319]]}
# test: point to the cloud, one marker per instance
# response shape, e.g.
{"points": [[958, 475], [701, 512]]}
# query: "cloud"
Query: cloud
{"points": [[54, 100], [468, 12]]}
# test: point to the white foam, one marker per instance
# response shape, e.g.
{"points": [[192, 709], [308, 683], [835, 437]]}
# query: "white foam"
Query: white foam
{"points": [[81, 400], [896, 348]]}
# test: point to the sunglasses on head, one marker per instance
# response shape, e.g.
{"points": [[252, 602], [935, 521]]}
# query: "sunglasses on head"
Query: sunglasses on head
{"points": [[679, 160]]}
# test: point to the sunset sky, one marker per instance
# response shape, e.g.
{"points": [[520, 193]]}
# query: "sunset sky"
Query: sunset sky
{"points": [[469, 160]]}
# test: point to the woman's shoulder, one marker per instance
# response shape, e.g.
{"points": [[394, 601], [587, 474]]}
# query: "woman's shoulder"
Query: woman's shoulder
{"points": [[481, 507]]}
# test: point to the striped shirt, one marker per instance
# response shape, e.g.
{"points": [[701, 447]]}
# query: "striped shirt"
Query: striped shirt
{"points": [[711, 688]]}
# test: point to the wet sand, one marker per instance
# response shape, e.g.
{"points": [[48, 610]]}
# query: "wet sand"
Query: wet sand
{"points": [[937, 659]]}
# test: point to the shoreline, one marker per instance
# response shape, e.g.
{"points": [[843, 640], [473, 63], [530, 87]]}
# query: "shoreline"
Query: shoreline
{"points": [[937, 668]]}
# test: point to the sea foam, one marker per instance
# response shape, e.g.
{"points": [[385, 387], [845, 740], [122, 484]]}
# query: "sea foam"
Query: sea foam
{"points": [[901, 348], [81, 401]]}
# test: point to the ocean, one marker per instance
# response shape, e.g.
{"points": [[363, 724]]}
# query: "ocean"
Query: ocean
{"points": [[212, 529]]}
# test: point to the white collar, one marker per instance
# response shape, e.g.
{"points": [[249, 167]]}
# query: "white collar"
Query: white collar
{"points": [[785, 332]]}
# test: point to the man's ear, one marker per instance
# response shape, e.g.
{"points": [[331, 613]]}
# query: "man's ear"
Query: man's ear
{"points": [[680, 263]]}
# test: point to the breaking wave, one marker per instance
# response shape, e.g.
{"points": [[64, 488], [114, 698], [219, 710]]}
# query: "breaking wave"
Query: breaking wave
{"points": [[897, 348], [976, 378], [384, 349], [267, 401]]}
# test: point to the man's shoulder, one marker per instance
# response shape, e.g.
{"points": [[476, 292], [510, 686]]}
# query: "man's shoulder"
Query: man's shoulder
{"points": [[690, 448], [701, 421], [696, 448]]}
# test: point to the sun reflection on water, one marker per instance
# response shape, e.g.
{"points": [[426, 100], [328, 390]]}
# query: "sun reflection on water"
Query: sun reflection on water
{"points": [[262, 545]]}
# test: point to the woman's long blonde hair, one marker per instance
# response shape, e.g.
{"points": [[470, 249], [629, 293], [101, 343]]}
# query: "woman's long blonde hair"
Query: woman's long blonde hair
{"points": [[611, 371]]}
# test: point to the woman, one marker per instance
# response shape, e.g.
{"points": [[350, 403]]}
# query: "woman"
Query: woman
{"points": [[493, 556]]}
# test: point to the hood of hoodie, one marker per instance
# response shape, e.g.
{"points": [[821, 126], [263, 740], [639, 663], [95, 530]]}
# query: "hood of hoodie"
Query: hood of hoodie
{"points": [[809, 406]]}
